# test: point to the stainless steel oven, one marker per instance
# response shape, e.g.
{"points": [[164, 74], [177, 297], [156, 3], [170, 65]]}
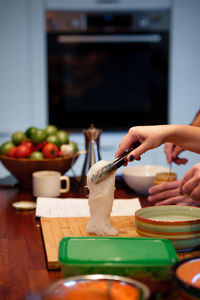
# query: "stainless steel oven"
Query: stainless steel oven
{"points": [[110, 69]]}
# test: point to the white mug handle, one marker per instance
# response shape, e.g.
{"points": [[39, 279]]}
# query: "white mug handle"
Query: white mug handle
{"points": [[67, 180]]}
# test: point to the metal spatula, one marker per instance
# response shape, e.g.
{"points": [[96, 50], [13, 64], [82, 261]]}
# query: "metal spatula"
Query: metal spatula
{"points": [[114, 165]]}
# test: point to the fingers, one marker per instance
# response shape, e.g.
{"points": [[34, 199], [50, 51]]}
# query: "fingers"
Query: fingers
{"points": [[164, 191], [176, 151], [190, 181], [179, 200], [188, 202], [128, 140], [180, 161], [191, 173], [157, 188], [194, 193], [168, 152], [190, 184], [163, 195], [172, 151], [171, 201], [137, 152]]}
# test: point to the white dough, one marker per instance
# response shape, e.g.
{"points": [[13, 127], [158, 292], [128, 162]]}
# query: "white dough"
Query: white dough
{"points": [[100, 202]]}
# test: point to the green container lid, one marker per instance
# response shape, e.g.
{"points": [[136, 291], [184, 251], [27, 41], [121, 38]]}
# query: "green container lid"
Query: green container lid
{"points": [[116, 251]]}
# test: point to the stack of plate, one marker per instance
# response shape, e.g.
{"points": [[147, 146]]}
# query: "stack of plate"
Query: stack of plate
{"points": [[179, 224]]}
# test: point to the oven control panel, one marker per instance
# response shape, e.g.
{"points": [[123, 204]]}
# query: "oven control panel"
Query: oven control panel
{"points": [[65, 21]]}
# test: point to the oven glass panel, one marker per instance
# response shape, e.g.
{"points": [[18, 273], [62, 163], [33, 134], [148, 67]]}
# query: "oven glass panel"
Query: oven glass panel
{"points": [[114, 85]]}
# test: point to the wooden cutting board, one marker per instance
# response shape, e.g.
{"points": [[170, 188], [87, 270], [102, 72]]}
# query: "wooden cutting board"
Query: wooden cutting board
{"points": [[54, 229]]}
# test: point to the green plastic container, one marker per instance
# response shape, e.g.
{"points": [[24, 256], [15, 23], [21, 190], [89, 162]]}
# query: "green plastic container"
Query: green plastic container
{"points": [[145, 259]]}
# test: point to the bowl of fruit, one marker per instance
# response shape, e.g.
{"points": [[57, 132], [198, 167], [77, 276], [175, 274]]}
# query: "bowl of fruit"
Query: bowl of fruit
{"points": [[38, 149]]}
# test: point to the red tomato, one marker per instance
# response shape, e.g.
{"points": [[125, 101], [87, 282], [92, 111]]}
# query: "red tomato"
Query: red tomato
{"points": [[28, 143], [11, 152], [50, 150], [39, 146], [59, 153], [22, 151]]}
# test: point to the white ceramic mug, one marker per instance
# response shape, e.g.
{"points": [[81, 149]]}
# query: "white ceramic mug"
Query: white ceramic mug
{"points": [[48, 184]]}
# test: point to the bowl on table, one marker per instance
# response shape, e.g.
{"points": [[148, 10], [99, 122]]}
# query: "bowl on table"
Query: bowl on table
{"points": [[96, 287], [140, 178], [23, 168], [187, 276], [179, 224]]}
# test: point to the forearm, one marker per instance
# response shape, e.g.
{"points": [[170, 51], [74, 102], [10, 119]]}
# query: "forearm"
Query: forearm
{"points": [[151, 137], [185, 136]]}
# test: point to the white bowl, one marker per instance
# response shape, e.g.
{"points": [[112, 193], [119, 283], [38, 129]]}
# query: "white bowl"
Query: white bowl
{"points": [[140, 178]]}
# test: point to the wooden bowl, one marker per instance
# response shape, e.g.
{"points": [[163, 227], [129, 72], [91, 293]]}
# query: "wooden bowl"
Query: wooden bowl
{"points": [[22, 168]]}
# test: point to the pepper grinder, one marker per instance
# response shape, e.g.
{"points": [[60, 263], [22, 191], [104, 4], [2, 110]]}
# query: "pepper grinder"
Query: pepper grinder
{"points": [[92, 146]]}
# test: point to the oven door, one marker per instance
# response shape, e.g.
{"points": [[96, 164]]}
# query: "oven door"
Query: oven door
{"points": [[111, 80]]}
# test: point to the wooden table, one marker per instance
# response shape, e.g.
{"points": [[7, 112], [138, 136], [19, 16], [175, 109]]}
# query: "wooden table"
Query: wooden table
{"points": [[22, 257]]}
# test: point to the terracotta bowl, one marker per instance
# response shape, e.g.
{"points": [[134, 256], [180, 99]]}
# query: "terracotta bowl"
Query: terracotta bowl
{"points": [[187, 275], [23, 168]]}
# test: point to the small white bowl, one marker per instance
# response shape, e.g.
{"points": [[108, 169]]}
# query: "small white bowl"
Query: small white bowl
{"points": [[140, 178]]}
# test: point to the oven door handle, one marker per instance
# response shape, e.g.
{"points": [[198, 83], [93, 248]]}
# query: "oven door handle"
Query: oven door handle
{"points": [[108, 38]]}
